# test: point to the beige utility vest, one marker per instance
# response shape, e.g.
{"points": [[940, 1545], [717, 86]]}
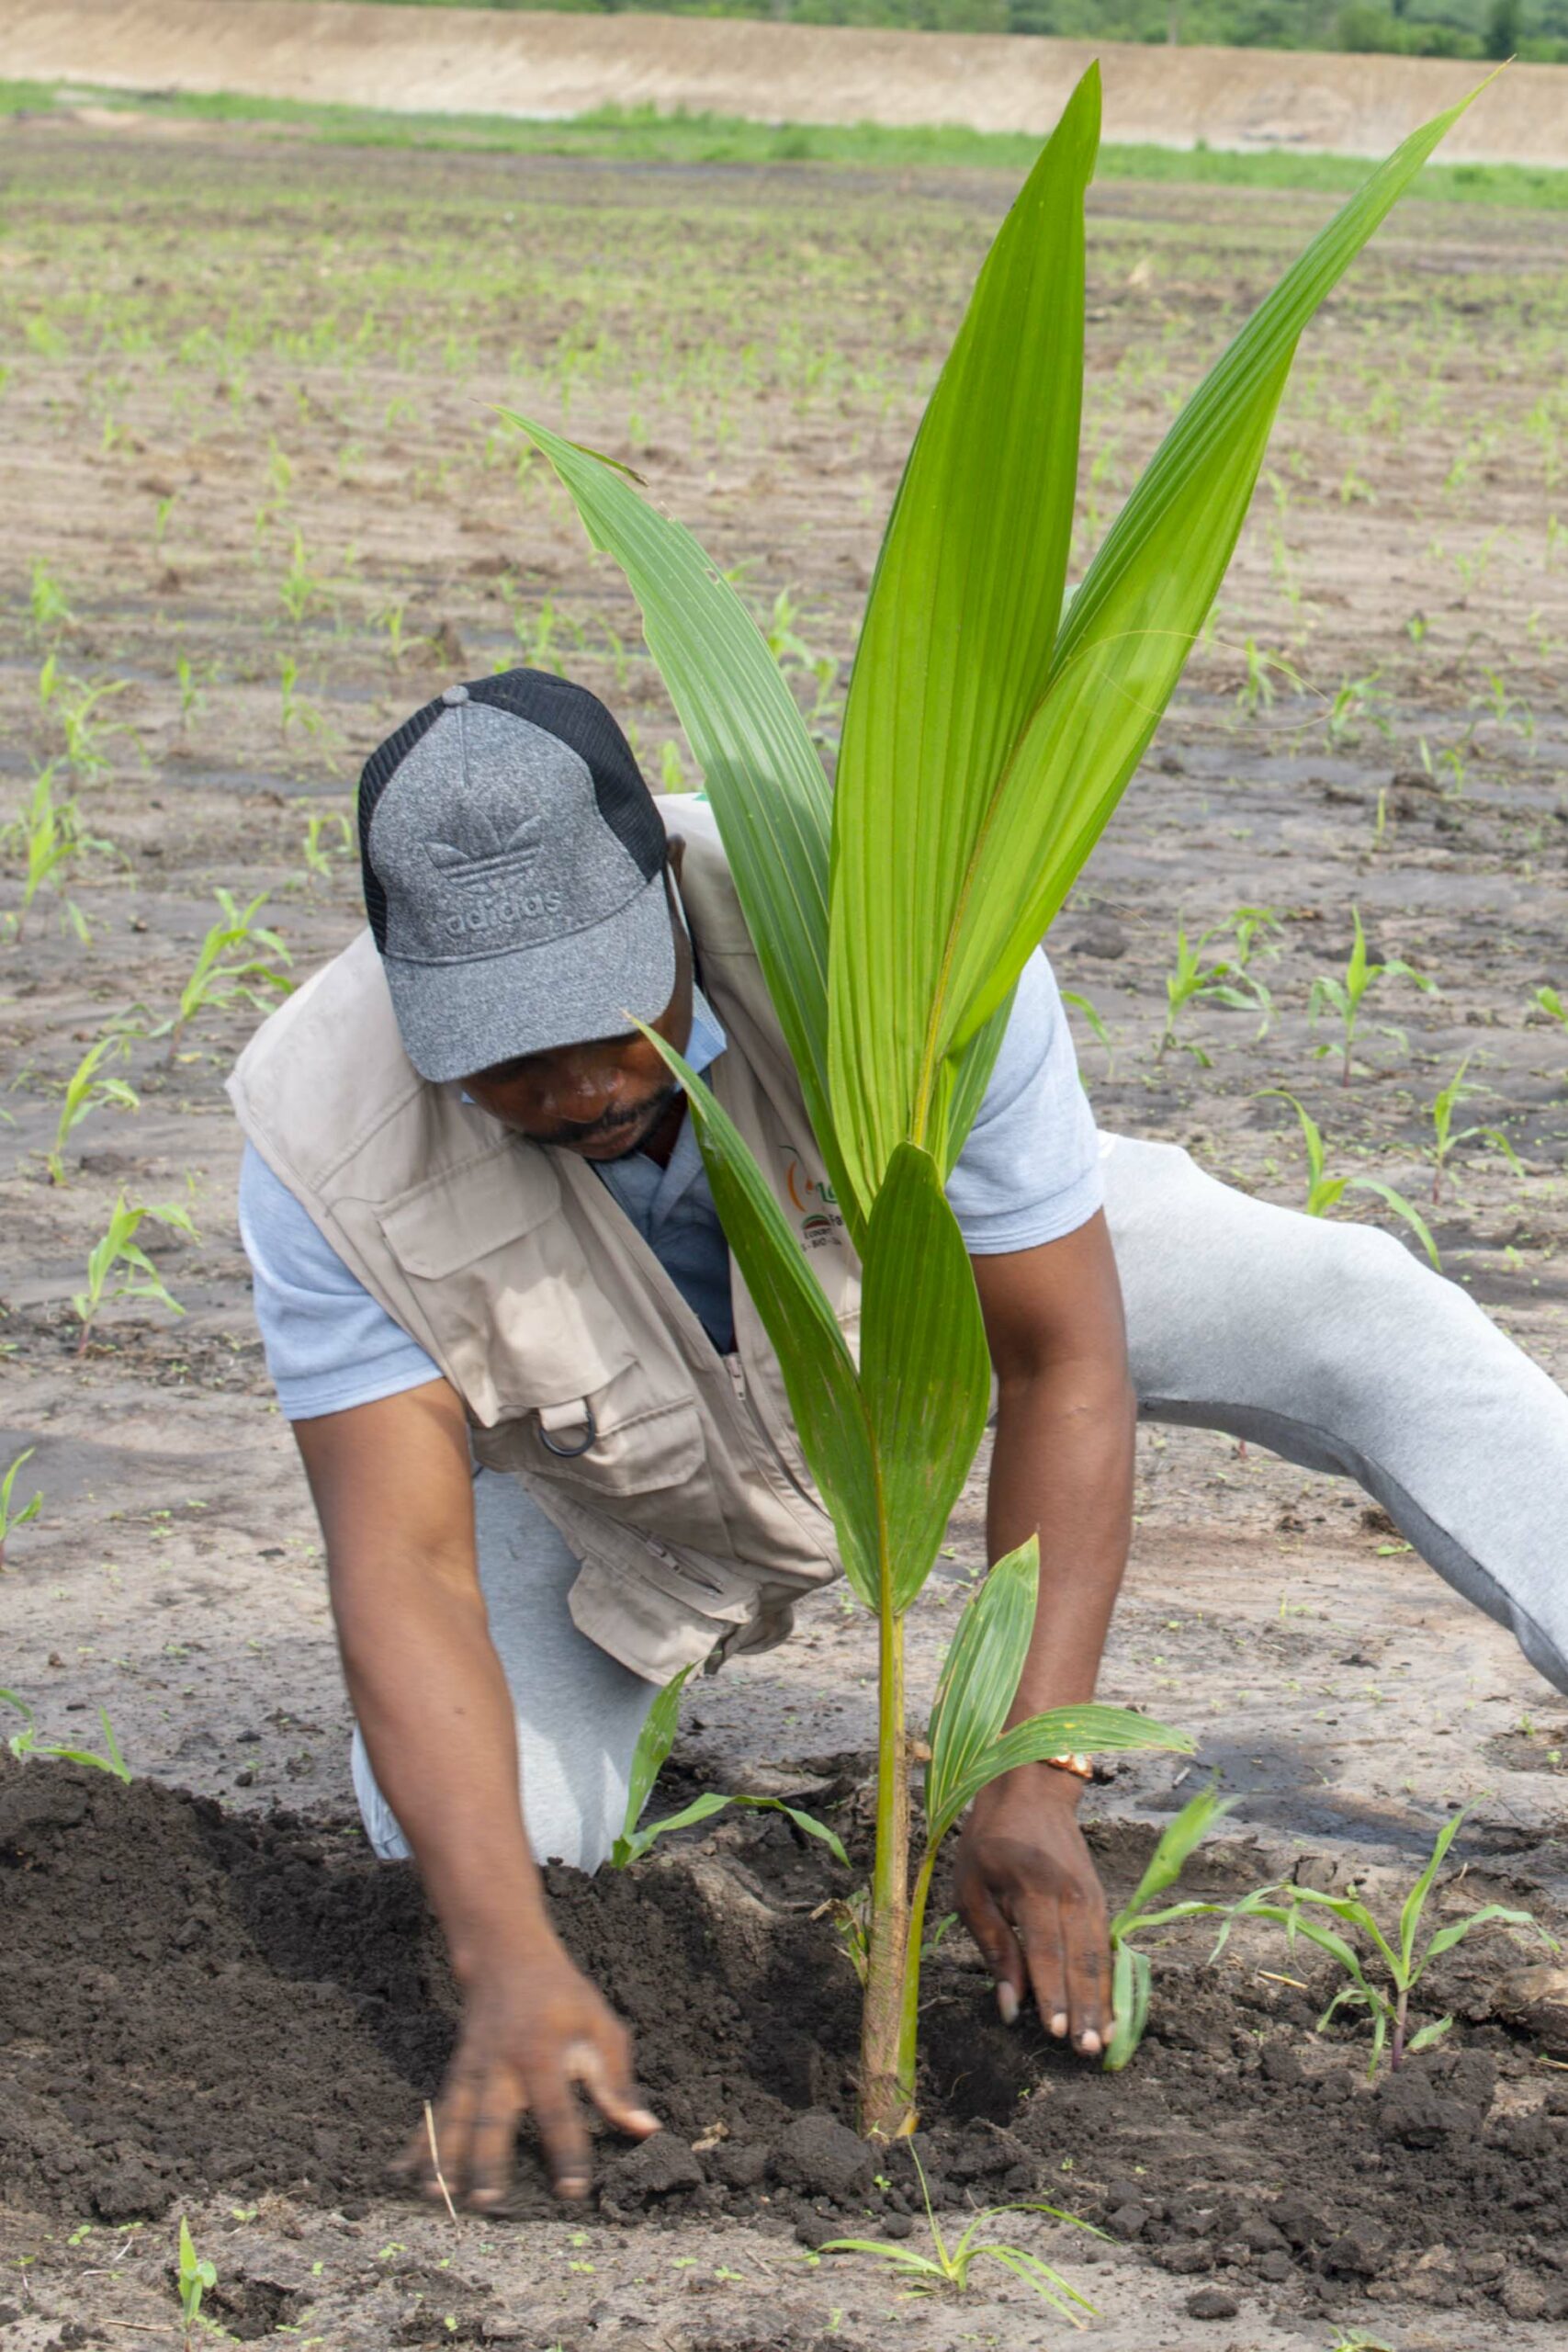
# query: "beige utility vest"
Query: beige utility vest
{"points": [[673, 1471]]}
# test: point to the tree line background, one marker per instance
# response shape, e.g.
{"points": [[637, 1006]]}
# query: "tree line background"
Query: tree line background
{"points": [[1535, 31]]}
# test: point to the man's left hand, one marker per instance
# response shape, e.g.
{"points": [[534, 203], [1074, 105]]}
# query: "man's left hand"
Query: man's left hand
{"points": [[1029, 1894]]}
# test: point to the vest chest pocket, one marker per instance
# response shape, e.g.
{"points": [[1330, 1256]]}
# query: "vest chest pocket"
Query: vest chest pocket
{"points": [[503, 1287]]}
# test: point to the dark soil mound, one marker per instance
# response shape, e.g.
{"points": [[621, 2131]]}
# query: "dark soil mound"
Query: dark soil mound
{"points": [[192, 2001]]}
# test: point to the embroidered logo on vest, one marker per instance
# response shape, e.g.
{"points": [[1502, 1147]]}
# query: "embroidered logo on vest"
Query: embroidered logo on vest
{"points": [[815, 1205]]}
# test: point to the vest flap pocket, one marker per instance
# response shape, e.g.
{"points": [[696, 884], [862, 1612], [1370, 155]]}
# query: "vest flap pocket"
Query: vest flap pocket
{"points": [[620, 1444], [501, 1285], [464, 1213]]}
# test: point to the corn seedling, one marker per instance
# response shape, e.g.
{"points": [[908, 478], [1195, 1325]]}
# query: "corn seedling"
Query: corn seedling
{"points": [[328, 835], [78, 708], [1217, 979], [192, 697], [10, 1520], [47, 600], [654, 1742], [302, 589], [1345, 992], [1325, 1191], [119, 1268], [1384, 1974], [1086, 1005], [25, 1742], [50, 836], [893, 917], [1550, 1002], [198, 2277], [294, 710], [228, 965], [1130, 1974], [87, 1090], [949, 2266], [1445, 1136], [1359, 702]]}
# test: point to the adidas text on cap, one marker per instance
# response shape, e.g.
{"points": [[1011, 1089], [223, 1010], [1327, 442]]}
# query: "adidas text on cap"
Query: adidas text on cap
{"points": [[513, 865]]}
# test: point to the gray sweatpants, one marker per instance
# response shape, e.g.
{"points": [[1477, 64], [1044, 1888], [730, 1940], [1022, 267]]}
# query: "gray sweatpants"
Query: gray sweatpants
{"points": [[1327, 1343]]}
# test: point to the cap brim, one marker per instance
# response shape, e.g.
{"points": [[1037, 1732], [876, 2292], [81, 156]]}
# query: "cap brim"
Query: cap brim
{"points": [[460, 1018]]}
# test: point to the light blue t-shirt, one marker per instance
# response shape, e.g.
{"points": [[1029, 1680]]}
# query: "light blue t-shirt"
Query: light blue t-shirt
{"points": [[1029, 1174]]}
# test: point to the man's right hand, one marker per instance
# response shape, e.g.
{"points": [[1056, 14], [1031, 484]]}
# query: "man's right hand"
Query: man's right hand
{"points": [[394, 1490], [532, 2032]]}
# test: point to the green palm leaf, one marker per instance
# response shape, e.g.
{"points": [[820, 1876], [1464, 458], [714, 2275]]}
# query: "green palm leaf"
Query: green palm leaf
{"points": [[818, 1371], [918, 969], [956, 649], [925, 1368], [763, 777]]}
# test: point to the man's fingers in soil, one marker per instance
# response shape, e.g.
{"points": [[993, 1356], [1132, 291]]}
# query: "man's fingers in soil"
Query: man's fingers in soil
{"points": [[606, 2076], [1039, 1929], [492, 2140], [563, 2132], [1089, 1985], [453, 2115], [999, 1947]]}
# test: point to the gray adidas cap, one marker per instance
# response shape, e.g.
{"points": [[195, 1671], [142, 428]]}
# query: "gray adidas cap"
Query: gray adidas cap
{"points": [[513, 866]]}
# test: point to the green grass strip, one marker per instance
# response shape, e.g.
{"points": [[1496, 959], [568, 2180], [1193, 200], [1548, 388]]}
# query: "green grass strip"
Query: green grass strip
{"points": [[641, 135]]}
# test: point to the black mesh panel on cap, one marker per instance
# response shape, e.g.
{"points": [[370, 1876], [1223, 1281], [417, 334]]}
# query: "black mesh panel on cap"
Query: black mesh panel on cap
{"points": [[582, 722], [374, 778]]}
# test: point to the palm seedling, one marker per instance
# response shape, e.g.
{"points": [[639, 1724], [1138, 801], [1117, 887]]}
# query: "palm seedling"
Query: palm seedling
{"points": [[950, 2266], [991, 728], [1382, 1976], [1325, 1191], [1344, 993], [1131, 1980], [655, 1741]]}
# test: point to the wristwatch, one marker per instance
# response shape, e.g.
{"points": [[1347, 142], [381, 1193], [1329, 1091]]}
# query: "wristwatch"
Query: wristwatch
{"points": [[1081, 1767]]}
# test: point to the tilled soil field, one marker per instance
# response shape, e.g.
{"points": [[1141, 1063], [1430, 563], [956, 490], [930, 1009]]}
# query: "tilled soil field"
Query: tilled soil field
{"points": [[258, 506]]}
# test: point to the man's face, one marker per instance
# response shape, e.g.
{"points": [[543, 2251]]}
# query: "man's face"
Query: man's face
{"points": [[602, 1099]]}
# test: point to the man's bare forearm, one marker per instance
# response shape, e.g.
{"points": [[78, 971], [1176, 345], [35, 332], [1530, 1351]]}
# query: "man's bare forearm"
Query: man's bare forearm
{"points": [[1062, 1466], [431, 1701], [393, 1488]]}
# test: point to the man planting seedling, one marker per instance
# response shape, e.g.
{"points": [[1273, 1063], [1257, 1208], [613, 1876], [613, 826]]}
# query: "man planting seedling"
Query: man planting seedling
{"points": [[572, 1179]]}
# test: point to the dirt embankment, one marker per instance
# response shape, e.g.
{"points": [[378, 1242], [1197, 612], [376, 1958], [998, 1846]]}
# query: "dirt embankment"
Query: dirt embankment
{"points": [[542, 64]]}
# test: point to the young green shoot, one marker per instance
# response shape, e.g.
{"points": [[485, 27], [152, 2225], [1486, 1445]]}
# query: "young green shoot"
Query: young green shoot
{"points": [[1385, 1972], [198, 2277], [654, 1742], [1346, 992], [950, 2266], [50, 835], [47, 601], [231, 963], [119, 1268], [86, 1090], [1325, 1191], [1446, 1137], [1130, 1973], [1219, 979], [25, 1742], [11, 1518]]}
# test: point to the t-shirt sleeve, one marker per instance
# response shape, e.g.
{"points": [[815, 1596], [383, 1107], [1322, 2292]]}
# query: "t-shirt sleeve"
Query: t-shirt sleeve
{"points": [[1029, 1170], [328, 1343]]}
